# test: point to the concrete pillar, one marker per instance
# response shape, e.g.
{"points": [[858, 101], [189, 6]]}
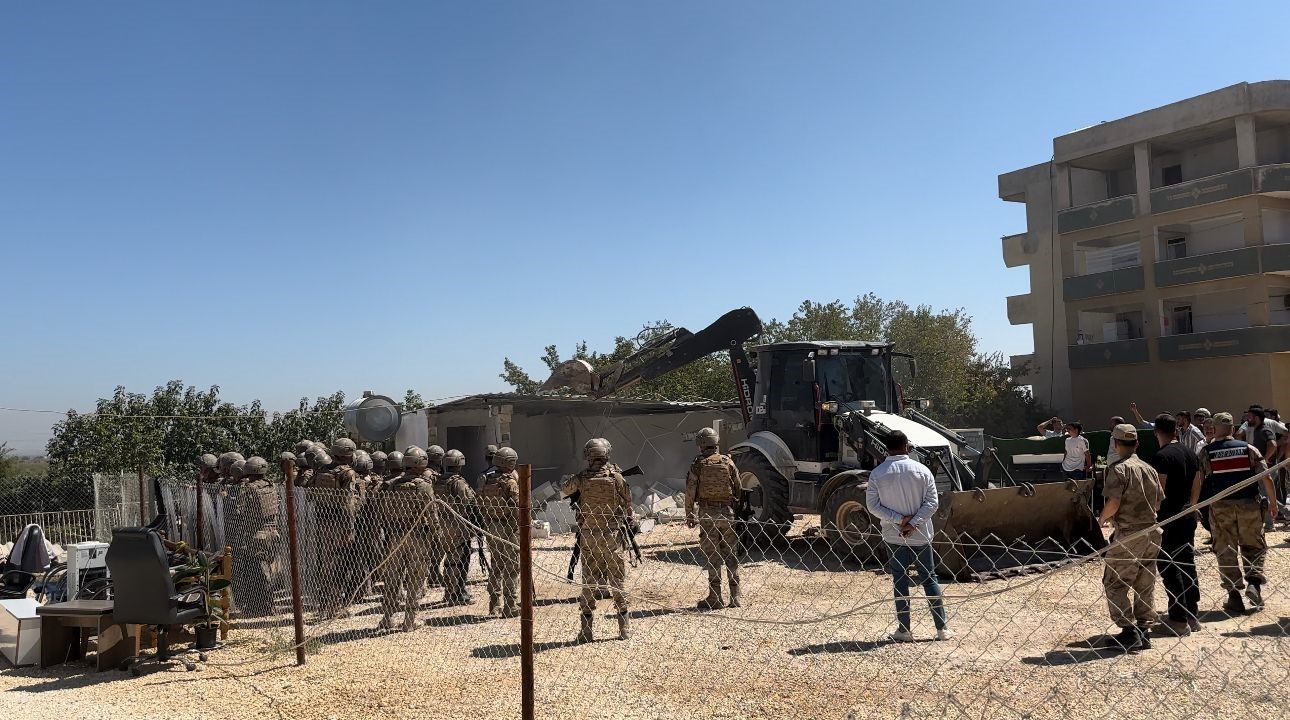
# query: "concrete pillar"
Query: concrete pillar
{"points": [[1246, 155], [1142, 176], [1062, 185], [1256, 298], [1252, 225]]}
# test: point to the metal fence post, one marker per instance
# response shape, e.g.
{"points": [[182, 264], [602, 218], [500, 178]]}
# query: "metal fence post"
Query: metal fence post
{"points": [[143, 500], [197, 538], [524, 519], [293, 543]]}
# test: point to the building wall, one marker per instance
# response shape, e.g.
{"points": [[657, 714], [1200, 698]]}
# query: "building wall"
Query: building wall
{"points": [[1230, 384]]}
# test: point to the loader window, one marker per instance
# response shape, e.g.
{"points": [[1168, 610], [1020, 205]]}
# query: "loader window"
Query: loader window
{"points": [[852, 378]]}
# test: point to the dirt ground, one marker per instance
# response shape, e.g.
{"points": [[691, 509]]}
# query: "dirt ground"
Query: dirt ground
{"points": [[810, 643]]}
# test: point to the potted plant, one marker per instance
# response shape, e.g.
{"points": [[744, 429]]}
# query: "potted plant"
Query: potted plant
{"points": [[194, 581]]}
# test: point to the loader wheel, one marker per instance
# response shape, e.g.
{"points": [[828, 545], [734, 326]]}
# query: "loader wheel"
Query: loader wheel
{"points": [[767, 493], [852, 530]]}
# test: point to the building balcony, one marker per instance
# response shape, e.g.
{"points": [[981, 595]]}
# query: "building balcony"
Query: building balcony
{"points": [[1225, 343], [1120, 352], [1275, 258], [1021, 309], [1110, 282], [1014, 251], [1211, 266], [1105, 212], [1224, 186]]}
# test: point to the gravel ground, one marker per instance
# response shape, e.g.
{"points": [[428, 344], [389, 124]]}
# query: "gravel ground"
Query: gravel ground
{"points": [[1017, 654]]}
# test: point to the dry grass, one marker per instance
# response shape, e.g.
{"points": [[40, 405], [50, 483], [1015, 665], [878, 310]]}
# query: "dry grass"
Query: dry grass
{"points": [[1013, 656]]}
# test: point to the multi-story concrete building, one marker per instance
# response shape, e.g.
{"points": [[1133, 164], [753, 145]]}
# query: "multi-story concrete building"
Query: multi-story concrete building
{"points": [[1159, 255]]}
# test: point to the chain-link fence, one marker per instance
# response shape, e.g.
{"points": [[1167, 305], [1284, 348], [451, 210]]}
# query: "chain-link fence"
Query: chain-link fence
{"points": [[418, 598]]}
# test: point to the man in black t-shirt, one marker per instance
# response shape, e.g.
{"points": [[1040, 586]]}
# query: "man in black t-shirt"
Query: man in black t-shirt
{"points": [[1179, 471]]}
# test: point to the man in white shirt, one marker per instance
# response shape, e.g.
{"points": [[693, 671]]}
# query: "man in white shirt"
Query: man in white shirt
{"points": [[1078, 460], [1189, 436], [1050, 428], [902, 495]]}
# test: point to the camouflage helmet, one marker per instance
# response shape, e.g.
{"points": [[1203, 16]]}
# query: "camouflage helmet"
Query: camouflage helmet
{"points": [[378, 461], [238, 470], [454, 459], [707, 438], [506, 458], [255, 465], [435, 453], [394, 461], [225, 461], [343, 447], [489, 452], [302, 447], [597, 449], [319, 459], [287, 456], [362, 461], [414, 457], [208, 462]]}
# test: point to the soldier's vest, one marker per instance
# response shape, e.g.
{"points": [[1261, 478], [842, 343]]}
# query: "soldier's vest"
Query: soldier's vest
{"points": [[494, 496], [335, 483], [268, 497], [405, 498], [714, 479], [1229, 464], [599, 500]]}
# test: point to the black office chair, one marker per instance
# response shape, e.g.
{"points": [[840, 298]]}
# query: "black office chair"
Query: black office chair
{"points": [[144, 592], [14, 584]]}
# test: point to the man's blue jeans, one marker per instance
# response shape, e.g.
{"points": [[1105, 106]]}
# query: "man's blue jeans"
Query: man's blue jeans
{"points": [[923, 558]]}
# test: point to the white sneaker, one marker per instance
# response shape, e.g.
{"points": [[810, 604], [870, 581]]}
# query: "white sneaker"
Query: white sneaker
{"points": [[945, 634], [902, 636]]}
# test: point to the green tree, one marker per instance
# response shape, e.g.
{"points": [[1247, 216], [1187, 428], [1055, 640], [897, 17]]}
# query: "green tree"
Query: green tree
{"points": [[6, 460], [707, 379]]}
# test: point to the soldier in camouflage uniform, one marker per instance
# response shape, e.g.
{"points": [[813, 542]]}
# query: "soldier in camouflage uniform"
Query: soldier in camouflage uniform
{"points": [[454, 533], [379, 468], [604, 504], [1131, 495], [406, 507], [225, 463], [393, 465], [433, 474], [499, 496], [366, 527], [254, 541], [713, 485], [207, 475], [335, 498]]}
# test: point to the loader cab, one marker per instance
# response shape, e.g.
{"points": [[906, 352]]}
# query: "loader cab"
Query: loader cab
{"points": [[796, 379]]}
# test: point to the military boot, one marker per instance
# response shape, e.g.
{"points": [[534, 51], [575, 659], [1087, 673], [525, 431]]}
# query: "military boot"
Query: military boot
{"points": [[584, 632], [386, 623], [732, 573], [1234, 605], [713, 600], [623, 633], [409, 622], [509, 610], [1255, 593], [493, 604]]}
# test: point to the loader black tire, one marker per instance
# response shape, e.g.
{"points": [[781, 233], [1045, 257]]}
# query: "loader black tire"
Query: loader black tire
{"points": [[852, 531], [768, 499]]}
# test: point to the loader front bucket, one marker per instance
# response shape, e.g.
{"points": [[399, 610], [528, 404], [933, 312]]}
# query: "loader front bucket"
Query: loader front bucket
{"points": [[995, 532]]}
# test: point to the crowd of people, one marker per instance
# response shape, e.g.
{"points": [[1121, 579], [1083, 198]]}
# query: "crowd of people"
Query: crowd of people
{"points": [[406, 520], [1203, 472]]}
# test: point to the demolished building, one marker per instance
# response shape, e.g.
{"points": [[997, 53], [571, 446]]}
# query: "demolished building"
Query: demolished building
{"points": [[548, 432]]}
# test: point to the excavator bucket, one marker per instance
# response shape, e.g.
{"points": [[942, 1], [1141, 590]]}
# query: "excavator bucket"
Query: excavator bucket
{"points": [[995, 532]]}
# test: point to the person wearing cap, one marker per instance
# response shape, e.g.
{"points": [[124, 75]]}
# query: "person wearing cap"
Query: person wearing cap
{"points": [[1237, 517], [1131, 497]]}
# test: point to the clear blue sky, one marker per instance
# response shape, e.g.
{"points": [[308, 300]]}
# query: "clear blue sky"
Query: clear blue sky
{"points": [[290, 198]]}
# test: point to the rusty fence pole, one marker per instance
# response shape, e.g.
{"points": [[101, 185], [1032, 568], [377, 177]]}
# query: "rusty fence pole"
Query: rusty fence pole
{"points": [[524, 518], [143, 500], [293, 546]]}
